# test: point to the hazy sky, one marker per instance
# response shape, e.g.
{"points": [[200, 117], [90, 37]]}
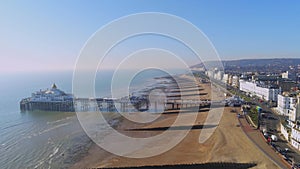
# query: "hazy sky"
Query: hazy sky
{"points": [[48, 35]]}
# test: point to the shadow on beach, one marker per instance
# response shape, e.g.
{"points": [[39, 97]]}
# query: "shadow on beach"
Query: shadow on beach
{"points": [[193, 127], [186, 95], [185, 110], [197, 166]]}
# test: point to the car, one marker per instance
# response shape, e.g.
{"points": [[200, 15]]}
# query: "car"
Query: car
{"points": [[286, 150], [271, 118], [274, 138], [289, 160], [284, 157], [278, 149], [297, 165]]}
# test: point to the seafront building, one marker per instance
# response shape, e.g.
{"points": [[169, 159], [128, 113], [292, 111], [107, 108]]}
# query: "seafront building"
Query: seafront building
{"points": [[295, 137], [229, 79], [286, 104], [266, 92], [292, 75], [219, 75], [289, 106], [295, 125], [286, 75], [210, 73], [225, 78], [235, 81]]}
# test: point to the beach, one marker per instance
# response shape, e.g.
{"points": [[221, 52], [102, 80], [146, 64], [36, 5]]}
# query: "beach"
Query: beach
{"points": [[228, 143]]}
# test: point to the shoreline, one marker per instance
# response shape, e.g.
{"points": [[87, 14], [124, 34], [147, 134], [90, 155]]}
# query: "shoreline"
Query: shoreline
{"points": [[228, 143], [91, 158]]}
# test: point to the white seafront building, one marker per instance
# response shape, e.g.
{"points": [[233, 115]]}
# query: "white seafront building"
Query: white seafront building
{"points": [[295, 137], [232, 80], [264, 92], [295, 125], [219, 75], [289, 106], [286, 75], [286, 105], [235, 81], [225, 78]]}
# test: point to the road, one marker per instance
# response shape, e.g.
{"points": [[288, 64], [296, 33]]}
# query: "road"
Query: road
{"points": [[272, 125], [257, 138]]}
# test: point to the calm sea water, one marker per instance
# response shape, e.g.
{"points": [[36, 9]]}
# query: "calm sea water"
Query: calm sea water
{"points": [[46, 139]]}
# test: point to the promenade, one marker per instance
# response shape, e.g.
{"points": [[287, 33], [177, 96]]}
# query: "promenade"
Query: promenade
{"points": [[257, 138]]}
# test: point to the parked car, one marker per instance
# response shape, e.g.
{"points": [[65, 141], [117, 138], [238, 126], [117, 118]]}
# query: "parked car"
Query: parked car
{"points": [[274, 138], [286, 150], [278, 149], [266, 135]]}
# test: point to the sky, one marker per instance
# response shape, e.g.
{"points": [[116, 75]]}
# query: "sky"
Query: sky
{"points": [[49, 35]]}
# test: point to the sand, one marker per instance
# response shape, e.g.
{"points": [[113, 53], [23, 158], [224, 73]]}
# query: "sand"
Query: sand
{"points": [[227, 144]]}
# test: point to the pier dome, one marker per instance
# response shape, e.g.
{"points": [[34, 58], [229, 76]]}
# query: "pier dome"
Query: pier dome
{"points": [[53, 86], [55, 91]]}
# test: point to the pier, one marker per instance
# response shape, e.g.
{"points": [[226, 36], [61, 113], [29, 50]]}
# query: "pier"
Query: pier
{"points": [[113, 105], [54, 99]]}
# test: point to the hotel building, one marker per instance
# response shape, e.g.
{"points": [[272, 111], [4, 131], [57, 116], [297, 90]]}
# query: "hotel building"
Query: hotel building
{"points": [[265, 92]]}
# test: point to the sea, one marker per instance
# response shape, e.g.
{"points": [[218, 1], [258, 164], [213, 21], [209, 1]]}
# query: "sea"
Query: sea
{"points": [[48, 140]]}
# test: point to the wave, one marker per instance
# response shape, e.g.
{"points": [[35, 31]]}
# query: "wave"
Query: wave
{"points": [[39, 163], [48, 160], [58, 121], [52, 128], [14, 125], [55, 151]]}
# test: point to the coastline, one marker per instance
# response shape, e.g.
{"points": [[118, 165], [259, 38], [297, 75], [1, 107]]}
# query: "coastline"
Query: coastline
{"points": [[220, 147], [90, 159]]}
